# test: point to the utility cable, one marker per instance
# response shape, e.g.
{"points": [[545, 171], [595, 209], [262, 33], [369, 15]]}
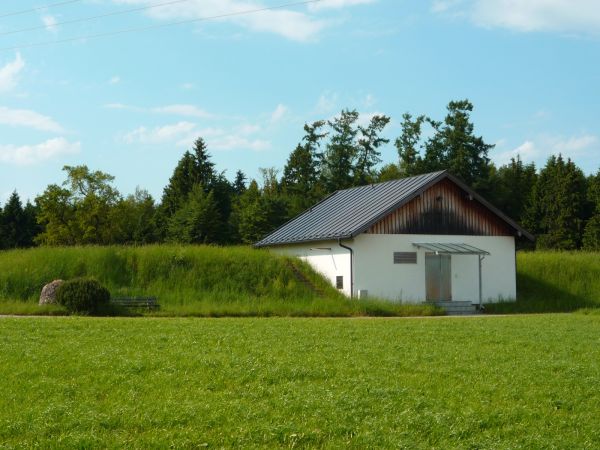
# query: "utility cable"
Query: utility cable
{"points": [[38, 8], [101, 16], [160, 25]]}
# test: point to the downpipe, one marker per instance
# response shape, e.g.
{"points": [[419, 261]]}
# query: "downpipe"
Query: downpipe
{"points": [[351, 266]]}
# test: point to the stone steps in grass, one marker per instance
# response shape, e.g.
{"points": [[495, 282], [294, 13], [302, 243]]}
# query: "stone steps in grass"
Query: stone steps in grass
{"points": [[458, 308]]}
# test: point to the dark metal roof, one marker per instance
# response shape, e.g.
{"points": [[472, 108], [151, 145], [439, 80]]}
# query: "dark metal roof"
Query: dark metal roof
{"points": [[349, 212]]}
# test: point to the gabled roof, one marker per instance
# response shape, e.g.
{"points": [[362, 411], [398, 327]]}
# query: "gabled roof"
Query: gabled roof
{"points": [[349, 212]]}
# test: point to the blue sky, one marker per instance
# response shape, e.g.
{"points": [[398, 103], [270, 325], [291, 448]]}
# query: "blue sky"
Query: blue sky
{"points": [[132, 103]]}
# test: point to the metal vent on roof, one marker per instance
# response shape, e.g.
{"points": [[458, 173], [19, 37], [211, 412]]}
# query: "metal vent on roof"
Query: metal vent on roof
{"points": [[405, 257], [339, 282]]}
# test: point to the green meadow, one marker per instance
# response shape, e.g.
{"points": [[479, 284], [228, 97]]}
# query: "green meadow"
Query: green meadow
{"points": [[486, 382]]}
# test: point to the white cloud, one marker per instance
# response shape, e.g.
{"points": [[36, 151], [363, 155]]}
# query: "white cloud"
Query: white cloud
{"points": [[50, 23], [183, 134], [233, 142], [117, 106], [159, 135], [440, 6], [336, 4], [294, 25], [29, 119], [183, 110], [188, 86], [575, 145], [10, 72], [364, 118], [568, 16], [528, 152], [249, 129], [327, 103], [175, 110], [33, 154], [369, 101], [114, 80], [279, 113], [581, 148]]}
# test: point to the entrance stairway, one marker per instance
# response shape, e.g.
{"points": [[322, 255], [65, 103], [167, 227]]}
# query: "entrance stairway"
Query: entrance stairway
{"points": [[458, 308], [305, 281]]}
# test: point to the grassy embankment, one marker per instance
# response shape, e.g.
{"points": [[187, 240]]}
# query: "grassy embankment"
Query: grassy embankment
{"points": [[187, 280], [555, 282], [239, 281], [488, 382]]}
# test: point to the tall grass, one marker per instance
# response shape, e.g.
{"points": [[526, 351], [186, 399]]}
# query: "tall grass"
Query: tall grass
{"points": [[187, 280], [555, 282], [240, 281]]}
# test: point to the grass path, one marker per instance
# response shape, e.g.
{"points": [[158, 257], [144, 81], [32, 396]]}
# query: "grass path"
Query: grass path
{"points": [[492, 382]]}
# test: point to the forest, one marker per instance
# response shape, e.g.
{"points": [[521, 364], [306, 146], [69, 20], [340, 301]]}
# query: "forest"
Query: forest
{"points": [[556, 202]]}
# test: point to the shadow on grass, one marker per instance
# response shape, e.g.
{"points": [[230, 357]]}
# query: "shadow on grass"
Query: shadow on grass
{"points": [[538, 296]]}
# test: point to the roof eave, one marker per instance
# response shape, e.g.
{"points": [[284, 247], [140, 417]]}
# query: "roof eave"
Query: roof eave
{"points": [[260, 244]]}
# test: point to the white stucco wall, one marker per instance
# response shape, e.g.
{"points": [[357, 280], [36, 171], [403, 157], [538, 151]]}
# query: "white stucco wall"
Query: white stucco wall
{"points": [[326, 257], [375, 271]]}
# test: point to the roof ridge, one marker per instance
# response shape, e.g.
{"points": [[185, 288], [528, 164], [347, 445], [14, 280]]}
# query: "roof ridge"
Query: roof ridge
{"points": [[437, 172], [346, 213]]}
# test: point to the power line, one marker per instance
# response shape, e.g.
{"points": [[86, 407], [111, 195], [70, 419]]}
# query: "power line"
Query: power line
{"points": [[38, 8], [101, 16], [160, 25]]}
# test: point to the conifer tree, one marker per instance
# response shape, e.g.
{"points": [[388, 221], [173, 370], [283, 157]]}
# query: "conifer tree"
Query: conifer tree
{"points": [[591, 234], [513, 184], [196, 169], [12, 221], [301, 172], [252, 218], [453, 146], [239, 184], [180, 185], [341, 151], [30, 227], [409, 145], [193, 168], [197, 221], [368, 154], [557, 205]]}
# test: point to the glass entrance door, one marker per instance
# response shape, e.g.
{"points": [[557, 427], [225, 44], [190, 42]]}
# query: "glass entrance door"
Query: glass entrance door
{"points": [[438, 279]]}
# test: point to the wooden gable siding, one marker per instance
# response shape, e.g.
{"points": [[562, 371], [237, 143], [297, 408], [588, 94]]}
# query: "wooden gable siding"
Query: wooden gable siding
{"points": [[444, 208]]}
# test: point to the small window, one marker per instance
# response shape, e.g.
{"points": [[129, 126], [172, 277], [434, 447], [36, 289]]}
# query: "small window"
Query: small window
{"points": [[339, 282], [405, 257]]}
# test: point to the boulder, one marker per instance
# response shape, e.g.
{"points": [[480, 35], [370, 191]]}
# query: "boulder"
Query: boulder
{"points": [[48, 295]]}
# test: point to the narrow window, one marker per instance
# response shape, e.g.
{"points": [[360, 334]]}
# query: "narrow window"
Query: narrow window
{"points": [[405, 257], [339, 282]]}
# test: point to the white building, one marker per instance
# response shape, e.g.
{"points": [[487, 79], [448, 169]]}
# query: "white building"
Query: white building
{"points": [[423, 238]]}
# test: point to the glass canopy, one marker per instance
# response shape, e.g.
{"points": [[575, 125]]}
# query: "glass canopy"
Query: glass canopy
{"points": [[450, 248]]}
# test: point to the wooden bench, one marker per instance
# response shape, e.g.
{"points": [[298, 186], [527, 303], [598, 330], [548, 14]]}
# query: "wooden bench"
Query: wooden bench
{"points": [[135, 302]]}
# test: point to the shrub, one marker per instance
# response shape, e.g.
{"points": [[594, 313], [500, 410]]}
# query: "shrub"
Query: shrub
{"points": [[83, 295]]}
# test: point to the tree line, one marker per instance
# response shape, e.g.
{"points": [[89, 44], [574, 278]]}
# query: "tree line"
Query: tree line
{"points": [[557, 203]]}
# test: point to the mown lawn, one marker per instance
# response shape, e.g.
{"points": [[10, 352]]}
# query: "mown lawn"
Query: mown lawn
{"points": [[487, 382]]}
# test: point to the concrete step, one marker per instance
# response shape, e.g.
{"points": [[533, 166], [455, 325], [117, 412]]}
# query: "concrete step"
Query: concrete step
{"points": [[458, 308]]}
